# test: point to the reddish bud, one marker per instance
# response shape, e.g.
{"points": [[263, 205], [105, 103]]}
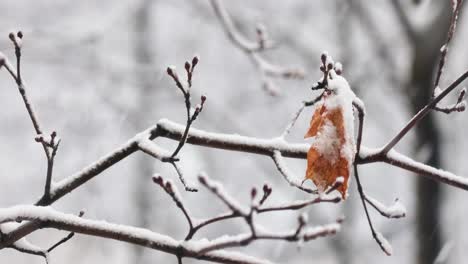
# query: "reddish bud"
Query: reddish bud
{"points": [[323, 57], [187, 66], [158, 179], [19, 34], [2, 60], [202, 179], [203, 98], [11, 36], [195, 61], [170, 71], [168, 187], [253, 193]]}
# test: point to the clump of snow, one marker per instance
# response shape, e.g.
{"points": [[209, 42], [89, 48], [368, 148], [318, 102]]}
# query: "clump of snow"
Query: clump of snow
{"points": [[437, 91], [320, 231], [443, 48], [338, 68], [396, 210], [304, 218], [343, 97], [152, 149], [383, 242], [327, 142], [339, 180]]}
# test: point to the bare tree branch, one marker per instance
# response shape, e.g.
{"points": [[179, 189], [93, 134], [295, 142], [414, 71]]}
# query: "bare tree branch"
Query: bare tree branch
{"points": [[252, 49], [422, 113], [239, 211], [47, 217]]}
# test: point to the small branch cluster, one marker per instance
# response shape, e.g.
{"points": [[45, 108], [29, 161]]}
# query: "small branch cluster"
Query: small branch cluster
{"points": [[24, 246], [253, 49], [51, 144], [191, 115], [236, 210], [460, 105], [147, 146], [328, 68]]}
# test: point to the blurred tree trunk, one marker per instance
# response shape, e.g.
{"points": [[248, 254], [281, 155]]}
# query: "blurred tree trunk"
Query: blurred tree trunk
{"points": [[426, 46], [144, 57]]}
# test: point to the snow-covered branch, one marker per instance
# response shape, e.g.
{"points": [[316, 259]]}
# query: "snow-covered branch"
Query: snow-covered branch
{"points": [[172, 130], [47, 217]]}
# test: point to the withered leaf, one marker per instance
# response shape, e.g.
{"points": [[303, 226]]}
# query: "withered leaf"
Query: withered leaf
{"points": [[325, 160]]}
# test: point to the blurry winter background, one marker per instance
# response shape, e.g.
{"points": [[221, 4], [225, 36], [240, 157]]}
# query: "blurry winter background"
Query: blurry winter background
{"points": [[96, 75]]}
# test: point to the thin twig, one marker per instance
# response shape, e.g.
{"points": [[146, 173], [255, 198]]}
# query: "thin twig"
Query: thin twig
{"points": [[444, 48], [287, 175], [293, 121], [377, 238], [170, 189], [65, 239], [252, 49], [422, 113]]}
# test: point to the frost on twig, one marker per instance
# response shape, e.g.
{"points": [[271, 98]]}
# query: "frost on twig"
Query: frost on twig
{"points": [[253, 48]]}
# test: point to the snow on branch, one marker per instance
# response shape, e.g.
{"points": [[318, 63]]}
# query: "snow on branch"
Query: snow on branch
{"points": [[172, 130], [47, 217], [396, 210], [291, 179], [49, 145]]}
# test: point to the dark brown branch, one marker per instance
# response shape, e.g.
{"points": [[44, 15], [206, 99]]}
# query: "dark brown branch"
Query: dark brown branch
{"points": [[378, 238], [422, 113], [444, 49], [189, 67]]}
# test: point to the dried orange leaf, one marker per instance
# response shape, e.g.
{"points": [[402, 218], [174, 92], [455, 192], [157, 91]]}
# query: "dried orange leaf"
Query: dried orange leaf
{"points": [[315, 122], [331, 154]]}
